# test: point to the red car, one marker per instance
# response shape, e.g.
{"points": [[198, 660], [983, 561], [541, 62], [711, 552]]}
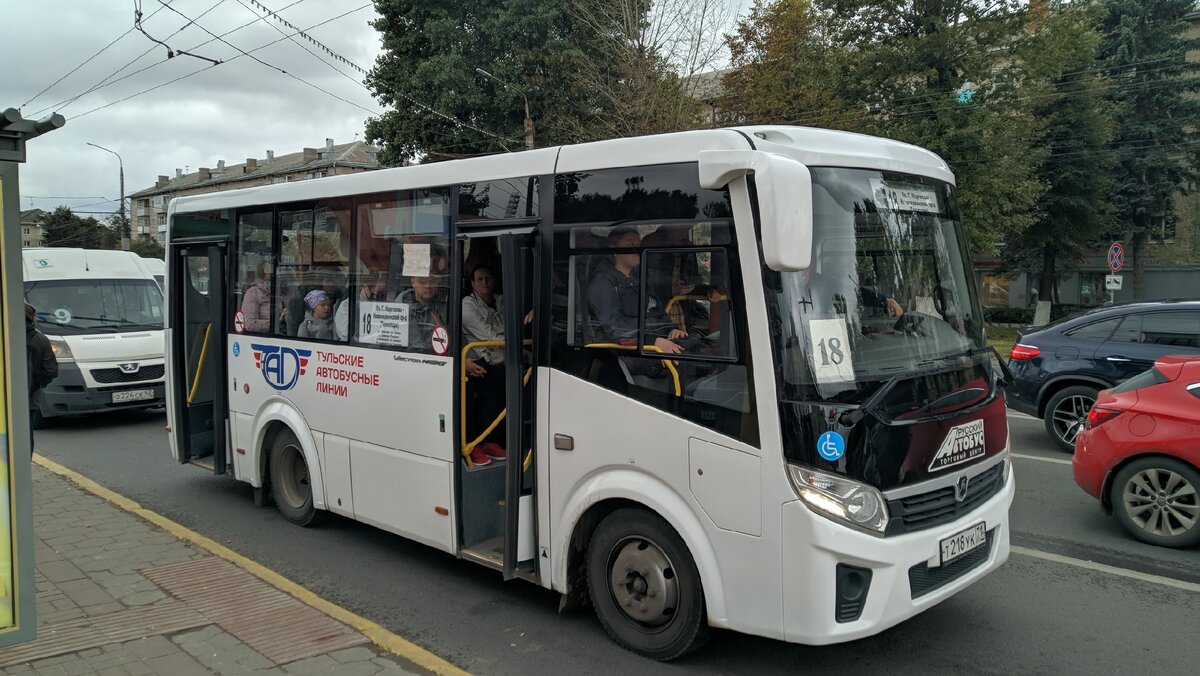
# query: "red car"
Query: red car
{"points": [[1139, 452]]}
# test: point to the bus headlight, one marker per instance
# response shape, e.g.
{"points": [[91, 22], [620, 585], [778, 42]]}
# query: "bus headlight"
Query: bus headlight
{"points": [[840, 498], [62, 351]]}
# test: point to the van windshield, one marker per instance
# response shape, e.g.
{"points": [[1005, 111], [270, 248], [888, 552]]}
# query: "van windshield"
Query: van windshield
{"points": [[80, 306]]}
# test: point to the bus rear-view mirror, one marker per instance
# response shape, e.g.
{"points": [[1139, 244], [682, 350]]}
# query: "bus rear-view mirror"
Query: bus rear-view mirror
{"points": [[784, 188]]}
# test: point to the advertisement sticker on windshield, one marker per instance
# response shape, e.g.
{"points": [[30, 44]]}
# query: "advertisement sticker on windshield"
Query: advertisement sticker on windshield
{"points": [[905, 197], [962, 443], [830, 351]]}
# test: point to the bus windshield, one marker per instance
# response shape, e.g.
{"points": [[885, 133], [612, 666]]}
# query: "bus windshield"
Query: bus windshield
{"points": [[80, 306], [888, 291]]}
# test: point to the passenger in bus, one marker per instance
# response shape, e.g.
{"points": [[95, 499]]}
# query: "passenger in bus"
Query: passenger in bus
{"points": [[613, 296], [318, 318], [372, 286], [427, 309], [256, 303], [483, 321], [675, 276]]}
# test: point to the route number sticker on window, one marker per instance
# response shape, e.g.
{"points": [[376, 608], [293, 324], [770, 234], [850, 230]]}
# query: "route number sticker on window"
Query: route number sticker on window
{"points": [[905, 196], [830, 351]]}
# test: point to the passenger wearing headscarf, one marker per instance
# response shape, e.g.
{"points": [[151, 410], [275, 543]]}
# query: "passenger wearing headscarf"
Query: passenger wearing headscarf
{"points": [[318, 318]]}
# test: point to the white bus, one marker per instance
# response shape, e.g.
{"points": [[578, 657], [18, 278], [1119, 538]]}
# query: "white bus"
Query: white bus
{"points": [[824, 454], [103, 315]]}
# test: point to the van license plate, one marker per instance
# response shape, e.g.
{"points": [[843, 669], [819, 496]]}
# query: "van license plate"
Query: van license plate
{"points": [[132, 395], [962, 542]]}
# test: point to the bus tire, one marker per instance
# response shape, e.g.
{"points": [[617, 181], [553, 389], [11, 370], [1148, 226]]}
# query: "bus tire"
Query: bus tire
{"points": [[291, 487], [645, 586]]}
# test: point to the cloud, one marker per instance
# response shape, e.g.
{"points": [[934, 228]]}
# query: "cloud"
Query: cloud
{"points": [[232, 111]]}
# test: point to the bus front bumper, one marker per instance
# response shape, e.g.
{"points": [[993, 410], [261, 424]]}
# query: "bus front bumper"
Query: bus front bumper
{"points": [[906, 575], [70, 394]]}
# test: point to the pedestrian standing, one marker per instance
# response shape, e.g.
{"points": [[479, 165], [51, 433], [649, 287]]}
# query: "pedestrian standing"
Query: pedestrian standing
{"points": [[43, 365]]}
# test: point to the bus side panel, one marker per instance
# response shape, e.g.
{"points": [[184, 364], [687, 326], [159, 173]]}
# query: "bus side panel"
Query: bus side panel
{"points": [[246, 455], [625, 449], [400, 492]]}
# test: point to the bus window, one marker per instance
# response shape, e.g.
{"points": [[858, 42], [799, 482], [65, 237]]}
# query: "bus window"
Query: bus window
{"points": [[311, 275], [498, 200], [402, 282], [255, 269], [688, 310]]}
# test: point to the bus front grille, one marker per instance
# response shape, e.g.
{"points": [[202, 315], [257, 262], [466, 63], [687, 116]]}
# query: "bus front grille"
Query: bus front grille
{"points": [[939, 506]]}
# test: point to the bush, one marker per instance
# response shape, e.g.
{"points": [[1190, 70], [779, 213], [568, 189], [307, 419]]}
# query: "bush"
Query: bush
{"points": [[1008, 315]]}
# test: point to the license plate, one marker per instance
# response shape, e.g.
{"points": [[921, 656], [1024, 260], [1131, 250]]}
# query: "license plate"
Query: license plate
{"points": [[962, 542], [132, 395]]}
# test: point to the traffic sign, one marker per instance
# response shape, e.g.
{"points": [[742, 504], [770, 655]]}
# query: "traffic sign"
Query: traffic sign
{"points": [[1112, 282], [1116, 257]]}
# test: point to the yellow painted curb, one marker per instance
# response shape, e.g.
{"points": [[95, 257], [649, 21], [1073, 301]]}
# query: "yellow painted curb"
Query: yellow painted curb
{"points": [[381, 637]]}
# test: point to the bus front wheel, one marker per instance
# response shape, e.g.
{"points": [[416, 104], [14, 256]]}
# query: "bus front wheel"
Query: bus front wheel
{"points": [[645, 586], [290, 484]]}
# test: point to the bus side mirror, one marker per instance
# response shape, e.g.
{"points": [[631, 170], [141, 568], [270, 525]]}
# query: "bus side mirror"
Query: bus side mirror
{"points": [[785, 206]]}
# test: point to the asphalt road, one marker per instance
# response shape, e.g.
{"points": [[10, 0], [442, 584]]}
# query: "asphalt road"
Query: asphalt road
{"points": [[1034, 615]]}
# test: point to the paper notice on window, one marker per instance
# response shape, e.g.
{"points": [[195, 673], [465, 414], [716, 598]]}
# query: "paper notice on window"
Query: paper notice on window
{"points": [[382, 323], [829, 348], [416, 260], [904, 197]]}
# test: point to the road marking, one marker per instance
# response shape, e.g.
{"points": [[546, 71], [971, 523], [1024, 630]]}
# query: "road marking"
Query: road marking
{"points": [[1111, 570], [1018, 414], [381, 637], [1058, 461]]}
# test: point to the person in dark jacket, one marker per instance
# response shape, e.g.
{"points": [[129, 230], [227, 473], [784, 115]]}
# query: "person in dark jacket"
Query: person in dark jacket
{"points": [[43, 365]]}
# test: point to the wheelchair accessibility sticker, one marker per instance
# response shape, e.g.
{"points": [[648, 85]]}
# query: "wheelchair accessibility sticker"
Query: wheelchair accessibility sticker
{"points": [[831, 446]]}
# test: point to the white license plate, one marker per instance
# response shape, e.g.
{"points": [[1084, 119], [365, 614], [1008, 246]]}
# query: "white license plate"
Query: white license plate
{"points": [[132, 395], [962, 542]]}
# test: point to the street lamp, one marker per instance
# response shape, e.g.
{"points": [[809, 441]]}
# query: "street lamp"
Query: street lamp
{"points": [[124, 222], [528, 119]]}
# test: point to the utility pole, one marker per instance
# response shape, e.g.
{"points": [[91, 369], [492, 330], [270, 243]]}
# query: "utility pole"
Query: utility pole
{"points": [[124, 221], [528, 119]]}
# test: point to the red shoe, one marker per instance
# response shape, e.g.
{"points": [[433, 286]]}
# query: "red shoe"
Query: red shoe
{"points": [[479, 458], [494, 450]]}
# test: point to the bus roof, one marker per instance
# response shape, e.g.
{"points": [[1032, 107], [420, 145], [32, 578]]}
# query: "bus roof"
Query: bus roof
{"points": [[62, 263], [813, 147]]}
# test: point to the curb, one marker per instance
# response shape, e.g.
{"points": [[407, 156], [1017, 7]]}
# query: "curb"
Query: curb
{"points": [[392, 643]]}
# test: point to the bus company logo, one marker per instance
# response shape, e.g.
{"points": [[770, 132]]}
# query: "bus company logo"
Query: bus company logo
{"points": [[281, 366], [962, 443]]}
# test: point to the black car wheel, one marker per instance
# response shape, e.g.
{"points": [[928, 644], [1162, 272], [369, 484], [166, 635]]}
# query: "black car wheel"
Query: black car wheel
{"points": [[1066, 412], [1158, 501]]}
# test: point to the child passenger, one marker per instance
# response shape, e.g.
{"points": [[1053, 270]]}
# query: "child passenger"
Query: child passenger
{"points": [[318, 319]]}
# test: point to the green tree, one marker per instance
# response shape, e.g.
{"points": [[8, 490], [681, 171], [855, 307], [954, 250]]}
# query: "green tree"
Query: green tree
{"points": [[63, 228], [439, 103], [1074, 211], [147, 248], [1145, 54]]}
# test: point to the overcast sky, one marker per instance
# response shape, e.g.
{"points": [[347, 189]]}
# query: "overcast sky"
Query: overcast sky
{"points": [[232, 111]]}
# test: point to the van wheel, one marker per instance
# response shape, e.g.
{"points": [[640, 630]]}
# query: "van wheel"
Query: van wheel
{"points": [[645, 587], [1066, 412], [290, 484], [1158, 501]]}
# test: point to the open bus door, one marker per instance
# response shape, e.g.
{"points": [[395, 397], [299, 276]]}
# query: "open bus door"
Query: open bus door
{"points": [[198, 320], [498, 501]]}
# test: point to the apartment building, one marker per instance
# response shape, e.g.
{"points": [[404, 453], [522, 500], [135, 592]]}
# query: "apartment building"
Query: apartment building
{"points": [[148, 208], [32, 234]]}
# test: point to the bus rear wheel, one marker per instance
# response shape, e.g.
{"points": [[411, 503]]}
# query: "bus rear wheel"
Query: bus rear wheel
{"points": [[645, 586], [291, 486]]}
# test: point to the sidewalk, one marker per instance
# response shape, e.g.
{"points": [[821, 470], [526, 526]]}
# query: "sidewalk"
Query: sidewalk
{"points": [[121, 590]]}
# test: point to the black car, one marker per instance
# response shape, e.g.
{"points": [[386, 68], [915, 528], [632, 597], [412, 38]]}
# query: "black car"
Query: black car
{"points": [[1058, 369]]}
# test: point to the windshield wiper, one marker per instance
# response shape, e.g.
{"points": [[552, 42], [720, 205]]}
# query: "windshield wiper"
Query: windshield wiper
{"points": [[969, 352]]}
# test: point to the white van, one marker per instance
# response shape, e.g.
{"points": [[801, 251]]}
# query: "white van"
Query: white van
{"points": [[156, 268], [103, 314]]}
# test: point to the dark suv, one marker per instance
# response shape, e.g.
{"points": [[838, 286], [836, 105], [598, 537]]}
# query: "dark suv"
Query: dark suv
{"points": [[1058, 369]]}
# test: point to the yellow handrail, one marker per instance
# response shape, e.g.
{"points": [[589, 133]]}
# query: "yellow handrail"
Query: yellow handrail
{"points": [[649, 348], [199, 365], [468, 447], [683, 297]]}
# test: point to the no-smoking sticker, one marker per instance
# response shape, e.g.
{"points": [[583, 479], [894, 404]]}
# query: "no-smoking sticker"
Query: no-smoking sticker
{"points": [[440, 340], [239, 321]]}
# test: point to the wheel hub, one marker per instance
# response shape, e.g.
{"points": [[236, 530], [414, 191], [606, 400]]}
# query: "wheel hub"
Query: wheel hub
{"points": [[643, 582]]}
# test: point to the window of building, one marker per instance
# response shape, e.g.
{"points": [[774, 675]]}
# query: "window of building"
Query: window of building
{"points": [[143, 221], [160, 200], [162, 219]]}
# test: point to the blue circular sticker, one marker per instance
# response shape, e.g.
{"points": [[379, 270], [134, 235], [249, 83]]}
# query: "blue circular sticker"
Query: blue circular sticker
{"points": [[237, 349], [831, 446]]}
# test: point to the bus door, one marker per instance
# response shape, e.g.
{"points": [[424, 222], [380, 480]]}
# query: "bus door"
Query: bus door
{"points": [[198, 321], [497, 496]]}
